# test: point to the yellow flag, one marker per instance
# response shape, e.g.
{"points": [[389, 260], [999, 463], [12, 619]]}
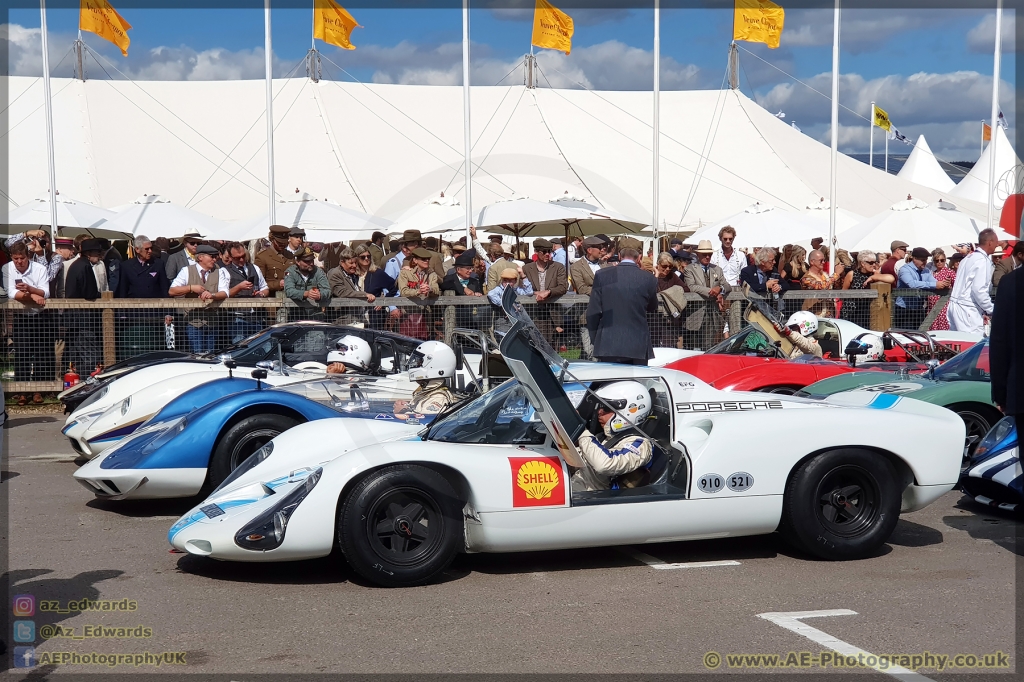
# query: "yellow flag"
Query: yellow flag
{"points": [[333, 24], [882, 119], [97, 16], [986, 132], [758, 21], [552, 28]]}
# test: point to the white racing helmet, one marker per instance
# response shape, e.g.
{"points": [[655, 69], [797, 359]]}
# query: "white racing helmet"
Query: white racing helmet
{"points": [[631, 400], [353, 351], [875, 349], [431, 360], [804, 321]]}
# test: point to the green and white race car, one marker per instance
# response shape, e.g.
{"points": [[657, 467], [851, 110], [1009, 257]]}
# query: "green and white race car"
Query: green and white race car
{"points": [[962, 384]]}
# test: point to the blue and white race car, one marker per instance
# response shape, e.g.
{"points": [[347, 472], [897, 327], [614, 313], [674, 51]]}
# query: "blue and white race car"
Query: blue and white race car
{"points": [[994, 477], [202, 435], [496, 476]]}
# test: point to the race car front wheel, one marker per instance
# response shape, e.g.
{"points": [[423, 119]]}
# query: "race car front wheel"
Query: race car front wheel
{"points": [[842, 504], [243, 439], [401, 526]]}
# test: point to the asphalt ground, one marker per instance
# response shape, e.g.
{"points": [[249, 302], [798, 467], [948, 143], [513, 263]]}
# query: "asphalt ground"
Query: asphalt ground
{"points": [[944, 584]]}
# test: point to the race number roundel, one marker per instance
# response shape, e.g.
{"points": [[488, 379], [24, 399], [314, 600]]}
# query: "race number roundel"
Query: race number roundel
{"points": [[537, 482]]}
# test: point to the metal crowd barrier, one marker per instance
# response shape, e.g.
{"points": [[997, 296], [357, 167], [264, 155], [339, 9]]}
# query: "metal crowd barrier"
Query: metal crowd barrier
{"points": [[40, 345]]}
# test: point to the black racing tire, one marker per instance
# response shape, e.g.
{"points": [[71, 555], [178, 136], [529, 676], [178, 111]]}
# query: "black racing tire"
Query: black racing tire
{"points": [[978, 419], [401, 526], [241, 440], [842, 504]]}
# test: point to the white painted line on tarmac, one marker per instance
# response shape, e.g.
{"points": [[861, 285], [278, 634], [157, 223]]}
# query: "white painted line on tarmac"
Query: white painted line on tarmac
{"points": [[49, 457], [792, 622], [654, 562]]}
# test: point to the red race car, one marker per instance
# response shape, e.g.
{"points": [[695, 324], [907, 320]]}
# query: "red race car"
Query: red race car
{"points": [[757, 359]]}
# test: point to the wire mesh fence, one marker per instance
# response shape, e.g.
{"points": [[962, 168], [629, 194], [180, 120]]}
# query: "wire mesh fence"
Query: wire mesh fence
{"points": [[41, 345]]}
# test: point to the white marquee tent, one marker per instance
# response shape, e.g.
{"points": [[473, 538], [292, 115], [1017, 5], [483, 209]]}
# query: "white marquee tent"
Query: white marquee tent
{"points": [[923, 168], [974, 186], [381, 149]]}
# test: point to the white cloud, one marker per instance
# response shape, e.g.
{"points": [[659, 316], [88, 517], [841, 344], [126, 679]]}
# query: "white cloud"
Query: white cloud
{"points": [[611, 65], [861, 29], [522, 10], [981, 38]]}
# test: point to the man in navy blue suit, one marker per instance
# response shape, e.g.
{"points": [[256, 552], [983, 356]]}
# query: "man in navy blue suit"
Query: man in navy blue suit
{"points": [[1006, 357], [617, 312]]}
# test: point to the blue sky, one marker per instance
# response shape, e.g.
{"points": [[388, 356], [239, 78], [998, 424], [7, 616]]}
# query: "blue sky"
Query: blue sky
{"points": [[882, 50]]}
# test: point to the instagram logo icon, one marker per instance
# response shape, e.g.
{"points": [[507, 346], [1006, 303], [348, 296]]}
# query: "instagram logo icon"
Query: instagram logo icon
{"points": [[24, 605]]}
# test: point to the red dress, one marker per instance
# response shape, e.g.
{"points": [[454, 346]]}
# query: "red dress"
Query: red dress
{"points": [[943, 275]]}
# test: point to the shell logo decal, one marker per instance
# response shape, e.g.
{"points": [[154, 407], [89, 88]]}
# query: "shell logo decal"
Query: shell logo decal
{"points": [[537, 482]]}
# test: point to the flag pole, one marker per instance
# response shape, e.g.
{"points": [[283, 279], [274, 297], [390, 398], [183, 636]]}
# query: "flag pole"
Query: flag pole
{"points": [[887, 149], [835, 143], [992, 146], [871, 137], [268, 54], [468, 140], [49, 124], [657, 112]]}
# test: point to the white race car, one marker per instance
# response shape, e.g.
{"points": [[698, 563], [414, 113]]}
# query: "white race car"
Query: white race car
{"points": [[494, 475]]}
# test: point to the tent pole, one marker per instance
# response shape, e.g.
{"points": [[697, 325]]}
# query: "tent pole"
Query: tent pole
{"points": [[993, 147], [657, 126], [465, 122], [887, 152], [49, 125], [835, 143], [871, 137], [270, 110]]}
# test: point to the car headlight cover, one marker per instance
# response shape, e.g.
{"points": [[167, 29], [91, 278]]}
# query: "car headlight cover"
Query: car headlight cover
{"points": [[267, 530], [98, 395], [1000, 437], [250, 462], [173, 429], [126, 405]]}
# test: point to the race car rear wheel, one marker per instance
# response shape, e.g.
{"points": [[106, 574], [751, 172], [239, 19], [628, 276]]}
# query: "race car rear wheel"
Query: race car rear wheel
{"points": [[401, 526], [243, 439], [842, 504]]}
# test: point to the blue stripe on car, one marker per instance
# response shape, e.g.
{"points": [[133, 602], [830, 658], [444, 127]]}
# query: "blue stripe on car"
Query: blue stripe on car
{"points": [[883, 401], [184, 523], [989, 473]]}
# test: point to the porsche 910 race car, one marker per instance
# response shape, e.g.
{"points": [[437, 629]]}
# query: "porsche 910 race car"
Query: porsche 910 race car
{"points": [[198, 438], [994, 477], [758, 358], [291, 353], [495, 474], [962, 385]]}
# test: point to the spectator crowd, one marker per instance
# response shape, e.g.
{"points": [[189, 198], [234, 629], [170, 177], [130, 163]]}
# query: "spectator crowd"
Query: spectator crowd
{"points": [[421, 270]]}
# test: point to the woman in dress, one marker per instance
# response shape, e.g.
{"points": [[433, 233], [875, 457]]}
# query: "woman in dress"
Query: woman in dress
{"points": [[815, 279], [942, 274], [858, 310]]}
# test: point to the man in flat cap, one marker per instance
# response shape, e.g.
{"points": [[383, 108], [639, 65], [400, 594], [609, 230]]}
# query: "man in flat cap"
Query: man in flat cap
{"points": [[185, 257], [582, 273], [307, 285], [205, 281], [296, 240], [549, 281], [462, 281], [275, 260]]}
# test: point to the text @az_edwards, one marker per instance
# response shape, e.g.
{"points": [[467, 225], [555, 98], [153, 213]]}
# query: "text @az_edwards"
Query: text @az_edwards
{"points": [[831, 659], [95, 632]]}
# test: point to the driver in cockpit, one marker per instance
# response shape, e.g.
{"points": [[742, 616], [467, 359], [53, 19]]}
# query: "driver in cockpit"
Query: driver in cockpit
{"points": [[352, 355], [430, 365], [621, 451]]}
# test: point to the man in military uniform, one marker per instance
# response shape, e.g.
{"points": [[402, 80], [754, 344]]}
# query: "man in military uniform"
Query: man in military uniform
{"points": [[376, 247], [296, 240], [275, 260], [410, 240]]}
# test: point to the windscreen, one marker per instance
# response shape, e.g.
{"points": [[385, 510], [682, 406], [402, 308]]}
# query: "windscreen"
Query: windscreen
{"points": [[971, 365]]}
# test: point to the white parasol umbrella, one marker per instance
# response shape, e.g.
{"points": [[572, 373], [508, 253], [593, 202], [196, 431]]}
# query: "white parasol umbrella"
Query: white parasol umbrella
{"points": [[763, 225], [530, 218], [918, 224], [73, 218], [437, 216], [323, 221], [154, 216]]}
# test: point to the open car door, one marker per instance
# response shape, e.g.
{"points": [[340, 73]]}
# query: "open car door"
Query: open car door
{"points": [[761, 315], [539, 370]]}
